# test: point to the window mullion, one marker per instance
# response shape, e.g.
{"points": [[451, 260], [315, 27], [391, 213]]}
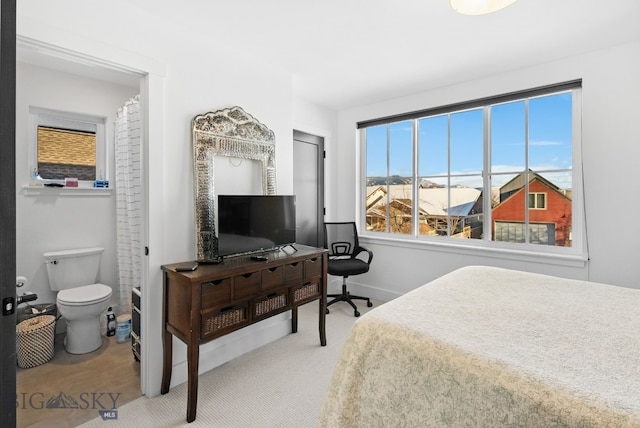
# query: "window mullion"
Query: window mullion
{"points": [[487, 233], [415, 211], [388, 195], [448, 171], [527, 237], [361, 206], [579, 230]]}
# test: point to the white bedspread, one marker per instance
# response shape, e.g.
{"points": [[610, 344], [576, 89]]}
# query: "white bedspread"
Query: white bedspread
{"points": [[489, 347]]}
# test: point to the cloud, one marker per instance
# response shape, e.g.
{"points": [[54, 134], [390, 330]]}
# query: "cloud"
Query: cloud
{"points": [[545, 143]]}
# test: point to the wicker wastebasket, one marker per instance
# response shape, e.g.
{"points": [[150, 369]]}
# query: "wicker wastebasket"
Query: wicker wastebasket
{"points": [[35, 340], [30, 311]]}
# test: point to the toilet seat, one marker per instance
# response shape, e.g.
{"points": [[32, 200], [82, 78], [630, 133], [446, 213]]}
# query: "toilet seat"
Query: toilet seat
{"points": [[85, 295]]}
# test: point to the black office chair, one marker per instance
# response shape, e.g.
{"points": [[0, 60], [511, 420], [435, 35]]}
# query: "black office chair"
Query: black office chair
{"points": [[341, 239]]}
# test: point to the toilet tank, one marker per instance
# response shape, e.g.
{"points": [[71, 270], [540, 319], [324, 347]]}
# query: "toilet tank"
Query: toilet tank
{"points": [[72, 268]]}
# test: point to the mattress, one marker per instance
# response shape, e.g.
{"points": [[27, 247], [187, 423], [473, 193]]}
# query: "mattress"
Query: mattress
{"points": [[492, 347]]}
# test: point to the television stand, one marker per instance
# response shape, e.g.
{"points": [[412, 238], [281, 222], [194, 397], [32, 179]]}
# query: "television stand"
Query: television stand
{"points": [[217, 299]]}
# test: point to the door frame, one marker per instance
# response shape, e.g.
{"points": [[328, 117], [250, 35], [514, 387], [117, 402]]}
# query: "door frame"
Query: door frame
{"points": [[8, 211], [152, 75]]}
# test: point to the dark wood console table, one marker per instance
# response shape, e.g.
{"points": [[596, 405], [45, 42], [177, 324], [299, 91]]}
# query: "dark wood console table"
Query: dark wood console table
{"points": [[217, 299]]}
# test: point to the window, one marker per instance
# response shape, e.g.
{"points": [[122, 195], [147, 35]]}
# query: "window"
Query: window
{"points": [[514, 232], [66, 145], [537, 201], [492, 171]]}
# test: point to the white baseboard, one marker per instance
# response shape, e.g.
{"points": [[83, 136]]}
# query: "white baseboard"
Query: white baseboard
{"points": [[334, 286]]}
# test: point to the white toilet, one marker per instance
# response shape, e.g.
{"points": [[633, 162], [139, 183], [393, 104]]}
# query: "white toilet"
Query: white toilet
{"points": [[80, 301]]}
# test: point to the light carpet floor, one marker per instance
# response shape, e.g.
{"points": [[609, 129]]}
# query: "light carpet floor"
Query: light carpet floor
{"points": [[282, 384]]}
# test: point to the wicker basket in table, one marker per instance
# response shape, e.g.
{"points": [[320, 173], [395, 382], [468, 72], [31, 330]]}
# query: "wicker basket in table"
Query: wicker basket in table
{"points": [[34, 340]]}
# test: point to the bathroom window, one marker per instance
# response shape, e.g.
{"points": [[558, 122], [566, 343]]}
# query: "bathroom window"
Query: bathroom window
{"points": [[67, 145]]}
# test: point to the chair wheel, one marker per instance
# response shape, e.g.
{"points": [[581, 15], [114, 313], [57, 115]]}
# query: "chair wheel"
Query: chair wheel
{"points": [[356, 313], [369, 304]]}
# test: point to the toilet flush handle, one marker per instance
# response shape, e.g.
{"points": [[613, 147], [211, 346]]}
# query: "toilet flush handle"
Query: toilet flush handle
{"points": [[26, 297]]}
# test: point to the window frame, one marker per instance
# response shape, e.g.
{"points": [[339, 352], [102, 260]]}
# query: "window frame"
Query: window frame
{"points": [[578, 252], [39, 116]]}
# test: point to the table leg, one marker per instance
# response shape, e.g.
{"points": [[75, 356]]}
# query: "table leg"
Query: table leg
{"points": [[294, 319], [322, 319], [167, 345], [193, 355]]}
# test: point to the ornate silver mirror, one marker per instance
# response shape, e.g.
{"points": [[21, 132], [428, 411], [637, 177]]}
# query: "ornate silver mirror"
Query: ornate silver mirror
{"points": [[231, 132]]}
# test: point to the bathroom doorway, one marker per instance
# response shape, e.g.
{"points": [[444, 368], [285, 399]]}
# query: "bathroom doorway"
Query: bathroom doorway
{"points": [[102, 371]]}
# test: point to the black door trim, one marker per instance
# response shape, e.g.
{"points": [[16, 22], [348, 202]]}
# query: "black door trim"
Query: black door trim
{"points": [[8, 210]]}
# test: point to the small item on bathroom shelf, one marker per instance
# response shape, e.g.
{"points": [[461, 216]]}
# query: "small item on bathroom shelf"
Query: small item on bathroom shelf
{"points": [[54, 184], [101, 183], [111, 322], [123, 330], [71, 182]]}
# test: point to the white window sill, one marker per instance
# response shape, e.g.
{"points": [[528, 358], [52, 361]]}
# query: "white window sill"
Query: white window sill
{"points": [[66, 191], [476, 248]]}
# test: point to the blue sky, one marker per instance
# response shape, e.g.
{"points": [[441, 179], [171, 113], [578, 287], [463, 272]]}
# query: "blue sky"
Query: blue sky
{"points": [[549, 142]]}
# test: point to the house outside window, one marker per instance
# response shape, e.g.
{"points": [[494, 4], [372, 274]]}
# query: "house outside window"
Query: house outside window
{"points": [[66, 153], [66, 145], [460, 173]]}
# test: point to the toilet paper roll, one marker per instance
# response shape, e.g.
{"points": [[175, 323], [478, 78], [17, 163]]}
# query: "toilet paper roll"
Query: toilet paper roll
{"points": [[22, 285]]}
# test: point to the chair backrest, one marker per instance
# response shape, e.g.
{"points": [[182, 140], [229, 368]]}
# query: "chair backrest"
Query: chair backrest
{"points": [[341, 238]]}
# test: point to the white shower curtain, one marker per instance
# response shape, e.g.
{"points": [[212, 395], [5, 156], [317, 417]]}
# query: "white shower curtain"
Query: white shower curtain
{"points": [[129, 203]]}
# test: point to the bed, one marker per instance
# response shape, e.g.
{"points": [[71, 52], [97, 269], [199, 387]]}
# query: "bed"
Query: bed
{"points": [[490, 347]]}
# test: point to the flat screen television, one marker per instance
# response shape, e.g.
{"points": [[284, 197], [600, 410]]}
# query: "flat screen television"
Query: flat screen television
{"points": [[255, 223]]}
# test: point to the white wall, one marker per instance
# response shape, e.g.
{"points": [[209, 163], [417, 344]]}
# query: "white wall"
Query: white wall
{"points": [[47, 222], [611, 152]]}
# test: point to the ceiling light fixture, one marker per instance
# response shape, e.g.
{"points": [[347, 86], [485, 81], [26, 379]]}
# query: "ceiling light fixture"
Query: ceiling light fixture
{"points": [[479, 7]]}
